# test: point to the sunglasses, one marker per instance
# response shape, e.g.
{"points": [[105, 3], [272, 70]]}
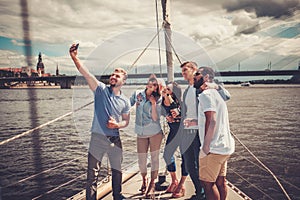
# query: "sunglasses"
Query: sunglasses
{"points": [[197, 74], [154, 84], [120, 70]]}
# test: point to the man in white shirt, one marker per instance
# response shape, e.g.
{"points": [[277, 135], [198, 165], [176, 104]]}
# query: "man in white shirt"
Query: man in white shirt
{"points": [[217, 143]]}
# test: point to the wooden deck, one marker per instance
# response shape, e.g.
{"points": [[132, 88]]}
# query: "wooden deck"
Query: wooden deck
{"points": [[132, 182], [131, 191]]}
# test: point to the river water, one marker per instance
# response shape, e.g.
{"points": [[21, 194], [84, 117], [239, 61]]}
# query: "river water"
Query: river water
{"points": [[50, 163]]}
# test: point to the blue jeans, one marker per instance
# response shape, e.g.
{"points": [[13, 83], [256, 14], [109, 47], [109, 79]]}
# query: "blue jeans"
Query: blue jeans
{"points": [[95, 155], [173, 141], [190, 146]]}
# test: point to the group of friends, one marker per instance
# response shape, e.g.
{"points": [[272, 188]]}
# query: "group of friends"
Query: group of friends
{"points": [[198, 124]]}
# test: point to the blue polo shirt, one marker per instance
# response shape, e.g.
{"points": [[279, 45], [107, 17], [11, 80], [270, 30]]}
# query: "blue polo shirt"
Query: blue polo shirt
{"points": [[107, 104]]}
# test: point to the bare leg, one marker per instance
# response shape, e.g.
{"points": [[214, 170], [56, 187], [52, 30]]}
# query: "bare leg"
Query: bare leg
{"points": [[172, 187], [211, 190], [181, 182], [142, 149], [155, 143], [222, 187], [173, 177], [180, 189]]}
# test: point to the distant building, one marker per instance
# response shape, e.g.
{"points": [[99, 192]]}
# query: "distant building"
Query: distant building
{"points": [[40, 68], [18, 72], [26, 71], [6, 73], [57, 70]]}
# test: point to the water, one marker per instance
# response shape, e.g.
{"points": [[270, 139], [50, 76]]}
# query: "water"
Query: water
{"points": [[266, 119]]}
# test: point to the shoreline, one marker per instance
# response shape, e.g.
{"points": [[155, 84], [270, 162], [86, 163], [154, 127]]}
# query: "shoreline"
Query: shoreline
{"points": [[140, 85]]}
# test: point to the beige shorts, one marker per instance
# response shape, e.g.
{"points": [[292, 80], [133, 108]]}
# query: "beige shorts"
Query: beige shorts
{"points": [[212, 166]]}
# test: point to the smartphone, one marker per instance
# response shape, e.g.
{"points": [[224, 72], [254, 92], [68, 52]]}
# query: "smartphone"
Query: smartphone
{"points": [[76, 47], [155, 94]]}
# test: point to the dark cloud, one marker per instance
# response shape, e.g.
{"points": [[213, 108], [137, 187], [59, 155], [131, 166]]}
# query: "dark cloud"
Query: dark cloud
{"points": [[265, 8], [245, 24]]}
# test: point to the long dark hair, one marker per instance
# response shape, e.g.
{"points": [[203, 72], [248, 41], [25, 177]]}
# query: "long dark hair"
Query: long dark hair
{"points": [[176, 90], [156, 93]]}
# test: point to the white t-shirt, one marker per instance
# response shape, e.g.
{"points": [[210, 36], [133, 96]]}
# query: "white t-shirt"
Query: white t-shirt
{"points": [[190, 102], [222, 141]]}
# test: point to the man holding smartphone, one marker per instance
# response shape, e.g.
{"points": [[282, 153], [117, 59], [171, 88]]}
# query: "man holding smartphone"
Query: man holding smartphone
{"points": [[111, 113]]}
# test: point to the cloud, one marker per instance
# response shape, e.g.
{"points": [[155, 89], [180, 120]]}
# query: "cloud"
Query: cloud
{"points": [[223, 27], [246, 23], [11, 59], [264, 8], [15, 42]]}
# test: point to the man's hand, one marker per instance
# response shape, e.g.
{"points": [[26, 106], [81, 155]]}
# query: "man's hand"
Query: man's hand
{"points": [[206, 149], [190, 122], [112, 123], [73, 51]]}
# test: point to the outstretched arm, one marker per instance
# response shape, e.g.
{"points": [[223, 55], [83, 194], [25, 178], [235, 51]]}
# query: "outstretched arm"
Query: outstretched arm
{"points": [[222, 91], [90, 78]]}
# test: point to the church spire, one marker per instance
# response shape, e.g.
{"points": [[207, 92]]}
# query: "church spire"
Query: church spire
{"points": [[40, 68], [57, 70]]}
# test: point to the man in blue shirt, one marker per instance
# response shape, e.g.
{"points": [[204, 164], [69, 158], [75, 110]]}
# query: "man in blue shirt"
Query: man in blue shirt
{"points": [[111, 112]]}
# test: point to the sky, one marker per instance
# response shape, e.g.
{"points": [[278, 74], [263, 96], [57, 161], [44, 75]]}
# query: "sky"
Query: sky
{"points": [[224, 34]]}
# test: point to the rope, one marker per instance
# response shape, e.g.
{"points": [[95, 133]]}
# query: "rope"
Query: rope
{"points": [[66, 183], [43, 125], [35, 175], [292, 185], [251, 184], [173, 47], [143, 51], [264, 166], [158, 38]]}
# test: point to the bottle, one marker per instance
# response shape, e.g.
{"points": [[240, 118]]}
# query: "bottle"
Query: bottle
{"points": [[173, 105]]}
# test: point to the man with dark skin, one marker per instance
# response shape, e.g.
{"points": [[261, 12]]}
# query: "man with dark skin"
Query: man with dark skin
{"points": [[217, 143]]}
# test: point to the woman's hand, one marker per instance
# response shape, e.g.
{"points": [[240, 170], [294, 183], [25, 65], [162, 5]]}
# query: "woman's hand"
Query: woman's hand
{"points": [[152, 99], [170, 119]]}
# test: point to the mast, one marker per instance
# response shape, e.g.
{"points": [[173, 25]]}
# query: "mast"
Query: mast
{"points": [[168, 39]]}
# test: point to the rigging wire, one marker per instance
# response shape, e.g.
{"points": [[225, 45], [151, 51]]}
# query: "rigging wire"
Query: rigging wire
{"points": [[264, 166], [43, 125], [287, 182], [251, 184], [66, 183], [173, 48], [140, 55], [158, 38], [47, 170]]}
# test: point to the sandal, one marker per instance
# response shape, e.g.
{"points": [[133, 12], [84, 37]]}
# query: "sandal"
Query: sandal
{"points": [[144, 186], [179, 192], [150, 194], [172, 187]]}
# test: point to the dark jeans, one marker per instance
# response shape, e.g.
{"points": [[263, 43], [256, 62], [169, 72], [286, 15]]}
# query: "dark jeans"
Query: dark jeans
{"points": [[173, 141], [98, 147], [191, 148]]}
